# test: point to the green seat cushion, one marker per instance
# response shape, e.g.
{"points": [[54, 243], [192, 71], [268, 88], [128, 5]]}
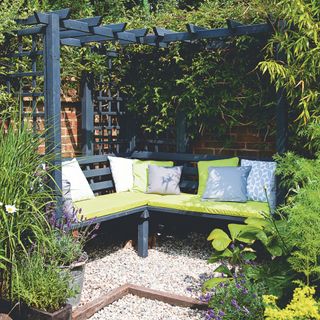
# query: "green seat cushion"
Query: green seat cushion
{"points": [[111, 203], [189, 202], [140, 172], [118, 202], [203, 167]]}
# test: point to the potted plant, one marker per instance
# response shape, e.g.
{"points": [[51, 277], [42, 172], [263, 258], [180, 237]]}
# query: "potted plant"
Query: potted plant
{"points": [[66, 247], [42, 289]]}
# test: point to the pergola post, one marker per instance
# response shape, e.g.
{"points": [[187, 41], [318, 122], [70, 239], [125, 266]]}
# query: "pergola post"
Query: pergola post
{"points": [[282, 109], [87, 112], [53, 103], [181, 131]]}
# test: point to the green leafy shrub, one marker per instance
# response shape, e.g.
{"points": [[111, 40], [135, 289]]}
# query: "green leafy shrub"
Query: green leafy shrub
{"points": [[40, 285], [302, 177]]}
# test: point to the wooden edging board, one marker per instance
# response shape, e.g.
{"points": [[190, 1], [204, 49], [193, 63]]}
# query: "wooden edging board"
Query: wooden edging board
{"points": [[89, 309]]}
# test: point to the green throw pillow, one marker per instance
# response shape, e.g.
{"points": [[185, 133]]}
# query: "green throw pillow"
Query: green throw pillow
{"points": [[140, 173], [203, 167]]}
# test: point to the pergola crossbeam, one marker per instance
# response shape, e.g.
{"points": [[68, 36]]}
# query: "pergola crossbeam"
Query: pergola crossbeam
{"points": [[71, 42], [193, 28], [63, 14]]}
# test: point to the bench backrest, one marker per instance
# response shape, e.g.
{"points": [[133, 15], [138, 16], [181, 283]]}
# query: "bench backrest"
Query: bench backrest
{"points": [[98, 173]]}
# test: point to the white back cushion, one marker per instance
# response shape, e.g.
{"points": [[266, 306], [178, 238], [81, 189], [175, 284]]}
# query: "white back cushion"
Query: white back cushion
{"points": [[122, 173], [79, 186]]}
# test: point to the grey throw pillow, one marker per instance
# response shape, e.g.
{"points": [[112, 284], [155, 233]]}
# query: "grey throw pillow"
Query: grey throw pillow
{"points": [[227, 184], [164, 180]]}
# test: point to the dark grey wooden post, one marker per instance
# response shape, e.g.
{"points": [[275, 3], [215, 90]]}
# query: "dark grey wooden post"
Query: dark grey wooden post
{"points": [[181, 131], [53, 102], [282, 109], [87, 113], [143, 234]]}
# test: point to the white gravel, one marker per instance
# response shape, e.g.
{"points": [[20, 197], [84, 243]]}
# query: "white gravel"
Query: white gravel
{"points": [[135, 308], [173, 266]]}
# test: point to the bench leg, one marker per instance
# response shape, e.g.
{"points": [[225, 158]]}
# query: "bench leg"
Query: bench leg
{"points": [[143, 234]]}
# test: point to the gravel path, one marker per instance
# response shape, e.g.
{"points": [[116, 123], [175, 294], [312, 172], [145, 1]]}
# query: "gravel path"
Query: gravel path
{"points": [[173, 266], [135, 308]]}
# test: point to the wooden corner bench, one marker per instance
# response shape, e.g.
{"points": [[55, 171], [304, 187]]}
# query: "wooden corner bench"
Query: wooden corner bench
{"points": [[109, 205]]}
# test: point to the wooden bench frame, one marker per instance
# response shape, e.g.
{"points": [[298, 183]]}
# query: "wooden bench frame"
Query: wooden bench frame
{"points": [[98, 173]]}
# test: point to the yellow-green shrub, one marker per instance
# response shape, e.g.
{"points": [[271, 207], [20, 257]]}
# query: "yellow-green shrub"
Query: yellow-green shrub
{"points": [[303, 306]]}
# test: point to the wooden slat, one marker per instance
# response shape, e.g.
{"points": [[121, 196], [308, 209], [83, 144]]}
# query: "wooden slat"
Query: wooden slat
{"points": [[63, 14], [172, 299], [188, 157], [27, 54], [26, 74], [219, 33], [189, 185], [192, 171], [30, 31], [104, 185], [89, 309], [97, 172], [92, 159], [71, 42], [75, 25]]}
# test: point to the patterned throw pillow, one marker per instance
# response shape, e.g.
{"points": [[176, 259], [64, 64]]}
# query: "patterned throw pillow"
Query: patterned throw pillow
{"points": [[164, 180], [261, 176]]}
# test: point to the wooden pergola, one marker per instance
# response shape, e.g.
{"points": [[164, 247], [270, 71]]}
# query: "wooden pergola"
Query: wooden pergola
{"points": [[57, 29]]}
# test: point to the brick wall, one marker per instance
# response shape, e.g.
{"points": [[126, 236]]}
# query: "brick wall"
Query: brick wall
{"points": [[239, 141], [245, 141], [70, 130]]}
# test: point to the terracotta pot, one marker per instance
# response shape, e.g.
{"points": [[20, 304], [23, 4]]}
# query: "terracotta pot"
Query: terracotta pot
{"points": [[62, 314]]}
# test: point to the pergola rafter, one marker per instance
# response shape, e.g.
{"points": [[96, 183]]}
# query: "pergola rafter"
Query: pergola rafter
{"points": [[57, 29], [82, 31]]}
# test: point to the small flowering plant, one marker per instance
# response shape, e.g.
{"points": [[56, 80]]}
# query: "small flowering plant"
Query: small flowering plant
{"points": [[66, 244], [235, 299]]}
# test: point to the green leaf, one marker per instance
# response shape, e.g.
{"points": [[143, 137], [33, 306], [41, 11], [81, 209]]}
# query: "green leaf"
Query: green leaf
{"points": [[249, 256], [223, 269], [248, 234], [262, 237], [216, 256], [209, 284], [235, 230], [220, 239], [256, 222], [275, 250]]}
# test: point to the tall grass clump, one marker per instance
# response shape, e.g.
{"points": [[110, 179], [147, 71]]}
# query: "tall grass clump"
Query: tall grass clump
{"points": [[23, 194]]}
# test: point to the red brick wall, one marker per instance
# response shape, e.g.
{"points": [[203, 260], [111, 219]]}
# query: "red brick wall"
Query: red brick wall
{"points": [[70, 130], [240, 141]]}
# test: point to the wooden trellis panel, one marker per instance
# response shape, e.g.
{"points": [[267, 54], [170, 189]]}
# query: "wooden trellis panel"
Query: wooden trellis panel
{"points": [[107, 106]]}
